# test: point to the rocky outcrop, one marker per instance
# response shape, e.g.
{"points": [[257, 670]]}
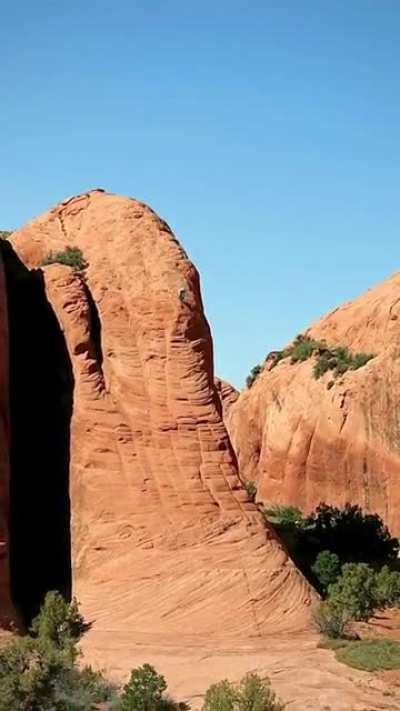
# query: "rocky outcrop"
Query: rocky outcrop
{"points": [[308, 440], [227, 395], [164, 539]]}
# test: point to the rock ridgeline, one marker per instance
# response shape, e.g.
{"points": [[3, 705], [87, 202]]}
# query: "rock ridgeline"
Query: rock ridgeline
{"points": [[334, 438]]}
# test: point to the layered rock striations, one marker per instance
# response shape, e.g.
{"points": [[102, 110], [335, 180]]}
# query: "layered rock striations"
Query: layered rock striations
{"points": [[164, 539], [307, 440], [227, 395]]}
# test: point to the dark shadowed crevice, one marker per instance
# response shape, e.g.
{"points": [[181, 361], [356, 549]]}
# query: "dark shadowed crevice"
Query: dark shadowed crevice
{"points": [[95, 327], [41, 396]]}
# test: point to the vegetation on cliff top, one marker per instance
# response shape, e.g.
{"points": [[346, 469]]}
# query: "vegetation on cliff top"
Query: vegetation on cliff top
{"points": [[337, 359], [70, 256]]}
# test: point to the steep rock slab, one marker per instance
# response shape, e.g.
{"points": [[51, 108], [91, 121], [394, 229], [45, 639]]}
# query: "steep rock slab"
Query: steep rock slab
{"points": [[227, 395], [305, 443], [164, 539]]}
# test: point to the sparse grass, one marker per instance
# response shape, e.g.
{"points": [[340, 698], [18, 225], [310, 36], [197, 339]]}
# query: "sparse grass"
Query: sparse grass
{"points": [[370, 654]]}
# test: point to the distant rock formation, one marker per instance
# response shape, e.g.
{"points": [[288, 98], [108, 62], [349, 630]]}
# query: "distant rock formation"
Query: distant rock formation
{"points": [[307, 440], [164, 538]]}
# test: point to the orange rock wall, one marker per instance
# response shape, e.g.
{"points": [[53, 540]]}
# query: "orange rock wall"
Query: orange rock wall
{"points": [[305, 443], [163, 536]]}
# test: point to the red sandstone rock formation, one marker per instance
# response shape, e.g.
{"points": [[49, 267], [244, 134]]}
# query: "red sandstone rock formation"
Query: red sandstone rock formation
{"points": [[5, 604], [227, 395], [164, 539], [305, 443]]}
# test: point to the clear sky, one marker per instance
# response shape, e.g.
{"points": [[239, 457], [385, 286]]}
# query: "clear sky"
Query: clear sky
{"points": [[267, 133]]}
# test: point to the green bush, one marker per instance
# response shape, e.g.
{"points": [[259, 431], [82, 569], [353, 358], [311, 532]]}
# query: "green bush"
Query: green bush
{"points": [[338, 359], [70, 256], [351, 534], [326, 569], [283, 515], [251, 488], [59, 622], [145, 692], [36, 676], [387, 587], [253, 694], [254, 373], [371, 655], [5, 234], [330, 620], [221, 697], [354, 591]]}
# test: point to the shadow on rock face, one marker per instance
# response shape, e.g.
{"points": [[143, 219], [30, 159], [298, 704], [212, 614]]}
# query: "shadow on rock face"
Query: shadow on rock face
{"points": [[41, 397]]}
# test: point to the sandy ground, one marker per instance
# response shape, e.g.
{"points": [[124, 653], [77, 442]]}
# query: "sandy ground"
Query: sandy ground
{"points": [[305, 676]]}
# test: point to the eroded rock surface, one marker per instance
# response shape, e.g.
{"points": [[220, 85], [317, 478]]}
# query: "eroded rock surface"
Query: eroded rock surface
{"points": [[305, 443], [227, 395], [164, 539]]}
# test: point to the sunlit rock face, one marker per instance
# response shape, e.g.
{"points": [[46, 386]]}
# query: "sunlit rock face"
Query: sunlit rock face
{"points": [[164, 537], [307, 440]]}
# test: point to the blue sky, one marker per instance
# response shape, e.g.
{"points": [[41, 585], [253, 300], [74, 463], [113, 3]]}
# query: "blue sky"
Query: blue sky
{"points": [[265, 133]]}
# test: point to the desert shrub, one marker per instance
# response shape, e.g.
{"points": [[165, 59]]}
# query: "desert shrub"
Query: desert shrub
{"points": [[5, 234], [303, 348], [326, 569], [251, 488], [370, 655], [284, 515], [337, 359], [323, 364], [221, 696], [387, 587], [361, 359], [330, 620], [254, 373], [27, 676], [38, 676], [351, 534], [253, 694], [70, 256], [340, 360], [354, 591], [59, 622], [145, 692], [80, 689]]}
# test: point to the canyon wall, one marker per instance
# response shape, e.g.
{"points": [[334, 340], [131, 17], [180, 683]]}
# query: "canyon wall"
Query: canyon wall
{"points": [[164, 538], [307, 440]]}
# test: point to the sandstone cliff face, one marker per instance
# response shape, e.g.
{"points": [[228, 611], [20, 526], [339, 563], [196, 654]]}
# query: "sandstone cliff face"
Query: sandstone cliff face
{"points": [[5, 604], [164, 539], [227, 395], [305, 443]]}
